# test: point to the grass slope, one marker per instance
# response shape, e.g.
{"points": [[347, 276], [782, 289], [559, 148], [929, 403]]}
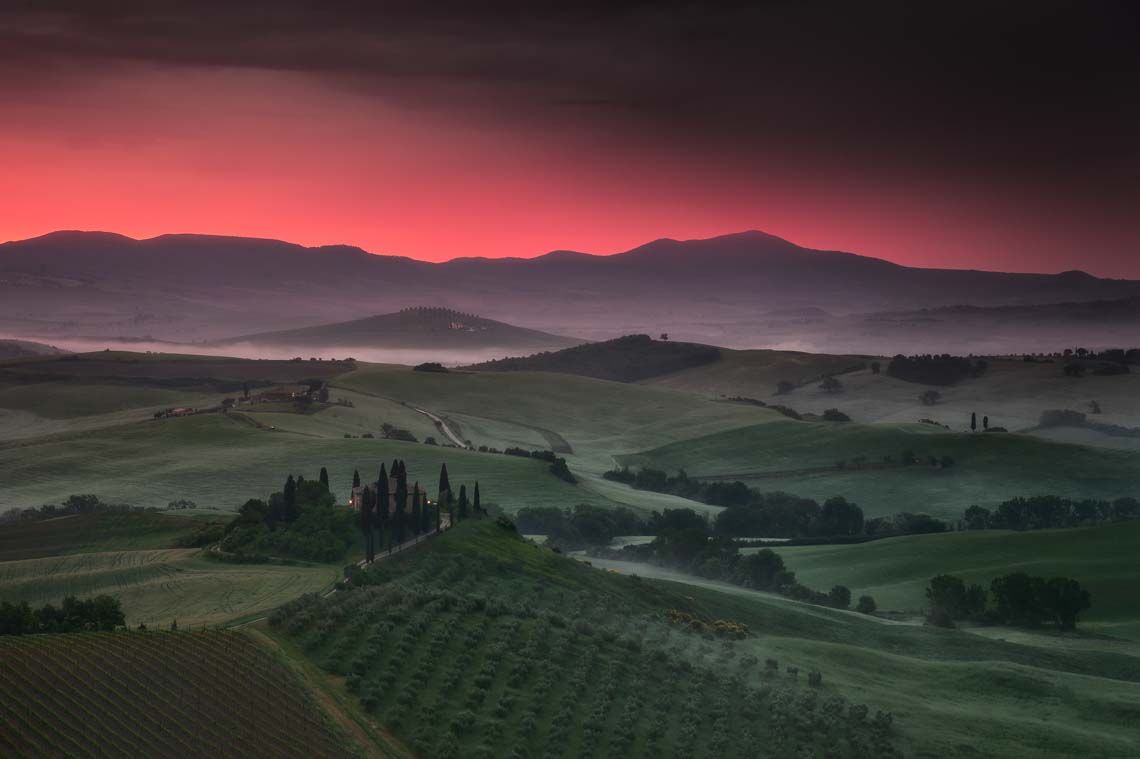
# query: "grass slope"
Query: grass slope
{"points": [[483, 644], [896, 571], [219, 462], [159, 586], [180, 694], [464, 629], [800, 457], [87, 533]]}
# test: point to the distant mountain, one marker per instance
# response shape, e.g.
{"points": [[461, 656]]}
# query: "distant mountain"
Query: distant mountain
{"points": [[625, 359], [735, 290], [415, 328]]}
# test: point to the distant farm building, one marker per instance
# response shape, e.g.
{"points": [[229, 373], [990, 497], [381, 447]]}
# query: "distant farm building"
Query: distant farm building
{"points": [[357, 498]]}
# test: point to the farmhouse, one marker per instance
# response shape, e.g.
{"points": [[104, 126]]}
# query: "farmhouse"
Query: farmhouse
{"points": [[358, 495]]}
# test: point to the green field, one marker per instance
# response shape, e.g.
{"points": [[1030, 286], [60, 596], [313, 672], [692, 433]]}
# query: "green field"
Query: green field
{"points": [[170, 694], [801, 458], [87, 533], [219, 462], [160, 586], [504, 671], [896, 570], [1011, 392]]}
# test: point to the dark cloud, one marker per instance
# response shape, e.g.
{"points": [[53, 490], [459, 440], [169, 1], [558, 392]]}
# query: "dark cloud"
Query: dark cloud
{"points": [[1038, 89]]}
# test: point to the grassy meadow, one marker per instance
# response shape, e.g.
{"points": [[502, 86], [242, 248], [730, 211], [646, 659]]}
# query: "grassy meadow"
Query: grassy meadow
{"points": [[803, 458], [896, 570]]}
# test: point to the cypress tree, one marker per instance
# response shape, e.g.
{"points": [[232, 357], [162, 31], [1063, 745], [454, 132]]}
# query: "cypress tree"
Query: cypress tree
{"points": [[985, 422], [366, 506], [325, 477], [478, 509], [289, 501], [462, 502], [416, 509], [438, 519], [383, 503], [973, 421], [356, 478], [401, 504], [444, 482]]}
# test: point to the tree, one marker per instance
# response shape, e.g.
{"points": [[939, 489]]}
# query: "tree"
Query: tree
{"points": [[289, 500], [462, 502], [383, 504], [783, 387], [245, 390], [355, 479], [839, 597], [416, 506], [976, 518], [475, 505], [865, 605], [930, 397], [840, 517], [325, 477], [366, 506], [664, 336], [876, 367], [985, 422], [1018, 598], [973, 421], [831, 385], [401, 501], [950, 594], [1064, 600]]}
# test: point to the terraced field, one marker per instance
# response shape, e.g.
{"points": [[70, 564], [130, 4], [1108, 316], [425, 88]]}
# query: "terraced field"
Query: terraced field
{"points": [[174, 694]]}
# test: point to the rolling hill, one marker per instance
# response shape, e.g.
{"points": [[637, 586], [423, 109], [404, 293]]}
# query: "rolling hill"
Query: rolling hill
{"points": [[740, 290], [625, 359], [414, 328]]}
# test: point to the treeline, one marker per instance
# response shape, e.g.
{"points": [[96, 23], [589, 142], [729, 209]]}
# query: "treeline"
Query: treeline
{"points": [[73, 615], [390, 515], [1049, 512], [75, 504], [753, 513], [685, 543], [1017, 599], [933, 369], [558, 466], [302, 520]]}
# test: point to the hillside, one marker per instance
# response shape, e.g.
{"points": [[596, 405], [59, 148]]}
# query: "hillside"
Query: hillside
{"points": [[739, 290], [159, 694], [514, 650], [413, 328], [625, 359], [896, 570], [24, 349]]}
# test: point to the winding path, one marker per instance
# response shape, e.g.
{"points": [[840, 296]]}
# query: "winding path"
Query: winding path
{"points": [[441, 426]]}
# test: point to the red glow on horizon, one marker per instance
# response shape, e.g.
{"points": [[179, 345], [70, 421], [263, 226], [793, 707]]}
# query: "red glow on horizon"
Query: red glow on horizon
{"points": [[305, 164]]}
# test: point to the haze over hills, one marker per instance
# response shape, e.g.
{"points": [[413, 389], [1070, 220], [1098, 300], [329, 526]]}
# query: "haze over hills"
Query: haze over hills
{"points": [[415, 328], [742, 290]]}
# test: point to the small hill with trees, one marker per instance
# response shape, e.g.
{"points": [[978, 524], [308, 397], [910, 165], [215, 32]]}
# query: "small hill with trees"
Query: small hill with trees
{"points": [[414, 328], [625, 359]]}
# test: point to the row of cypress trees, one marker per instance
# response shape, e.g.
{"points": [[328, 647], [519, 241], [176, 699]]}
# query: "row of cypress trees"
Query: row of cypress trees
{"points": [[384, 527]]}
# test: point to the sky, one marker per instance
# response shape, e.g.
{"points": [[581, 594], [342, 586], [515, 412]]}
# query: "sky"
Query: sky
{"points": [[965, 137]]}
